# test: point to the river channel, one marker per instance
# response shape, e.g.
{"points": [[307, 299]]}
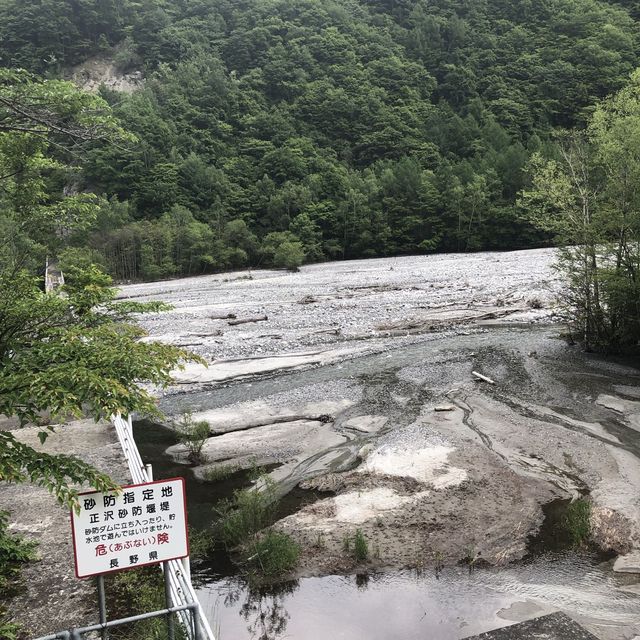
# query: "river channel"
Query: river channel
{"points": [[454, 601]]}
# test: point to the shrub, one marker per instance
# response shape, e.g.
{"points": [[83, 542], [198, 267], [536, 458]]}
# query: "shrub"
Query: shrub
{"points": [[273, 554], [240, 521], [289, 255], [134, 592], [192, 435], [201, 544], [220, 472], [577, 521], [14, 551], [249, 511], [360, 546]]}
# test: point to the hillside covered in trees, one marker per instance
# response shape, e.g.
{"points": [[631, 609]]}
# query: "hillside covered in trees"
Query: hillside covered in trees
{"points": [[268, 132]]}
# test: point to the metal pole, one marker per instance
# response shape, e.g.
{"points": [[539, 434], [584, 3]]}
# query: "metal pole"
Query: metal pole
{"points": [[167, 598], [186, 568], [102, 605], [196, 622]]}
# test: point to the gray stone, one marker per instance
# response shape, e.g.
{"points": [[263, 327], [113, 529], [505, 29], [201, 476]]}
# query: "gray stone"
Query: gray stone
{"points": [[556, 626], [629, 563]]}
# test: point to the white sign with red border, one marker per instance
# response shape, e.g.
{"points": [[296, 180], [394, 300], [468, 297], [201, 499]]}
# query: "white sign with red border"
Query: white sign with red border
{"points": [[143, 524]]}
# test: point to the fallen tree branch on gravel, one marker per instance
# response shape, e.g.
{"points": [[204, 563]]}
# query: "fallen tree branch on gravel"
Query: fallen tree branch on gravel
{"points": [[479, 376], [233, 323]]}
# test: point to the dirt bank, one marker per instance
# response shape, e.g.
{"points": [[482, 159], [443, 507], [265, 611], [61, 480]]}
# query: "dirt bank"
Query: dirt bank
{"points": [[50, 597]]}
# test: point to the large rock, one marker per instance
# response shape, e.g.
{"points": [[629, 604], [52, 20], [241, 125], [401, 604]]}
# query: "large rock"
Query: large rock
{"points": [[556, 626], [629, 563]]}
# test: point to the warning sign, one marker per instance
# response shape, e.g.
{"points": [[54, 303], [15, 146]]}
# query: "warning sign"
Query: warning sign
{"points": [[143, 524]]}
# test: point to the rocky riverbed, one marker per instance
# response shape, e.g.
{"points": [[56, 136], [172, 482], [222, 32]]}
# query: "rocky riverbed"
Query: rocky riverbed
{"points": [[360, 381], [327, 311]]}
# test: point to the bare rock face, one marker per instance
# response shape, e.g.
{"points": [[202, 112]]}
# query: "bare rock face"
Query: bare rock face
{"points": [[98, 71], [629, 563], [611, 530]]}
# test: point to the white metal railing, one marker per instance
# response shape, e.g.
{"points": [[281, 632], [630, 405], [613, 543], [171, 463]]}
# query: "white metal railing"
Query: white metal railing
{"points": [[182, 591]]}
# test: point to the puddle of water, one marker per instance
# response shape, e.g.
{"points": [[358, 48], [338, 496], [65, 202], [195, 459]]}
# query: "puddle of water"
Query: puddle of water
{"points": [[394, 605], [152, 441], [405, 604]]}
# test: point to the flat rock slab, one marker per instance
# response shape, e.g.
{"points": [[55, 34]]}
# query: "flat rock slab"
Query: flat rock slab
{"points": [[629, 563], [556, 626], [366, 424], [226, 370]]}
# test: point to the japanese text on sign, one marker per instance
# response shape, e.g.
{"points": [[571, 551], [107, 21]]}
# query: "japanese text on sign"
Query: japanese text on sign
{"points": [[143, 524]]}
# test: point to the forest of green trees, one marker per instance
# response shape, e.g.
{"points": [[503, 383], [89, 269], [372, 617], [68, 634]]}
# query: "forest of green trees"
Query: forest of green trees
{"points": [[271, 132]]}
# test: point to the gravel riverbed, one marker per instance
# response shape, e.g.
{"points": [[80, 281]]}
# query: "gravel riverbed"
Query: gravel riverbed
{"points": [[356, 379]]}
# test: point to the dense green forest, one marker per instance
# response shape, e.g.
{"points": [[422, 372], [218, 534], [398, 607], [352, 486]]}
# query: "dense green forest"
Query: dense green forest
{"points": [[269, 132]]}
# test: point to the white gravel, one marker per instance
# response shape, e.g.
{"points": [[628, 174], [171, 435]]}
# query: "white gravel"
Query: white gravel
{"points": [[345, 300]]}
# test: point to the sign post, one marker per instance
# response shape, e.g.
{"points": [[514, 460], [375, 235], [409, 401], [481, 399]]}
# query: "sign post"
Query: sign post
{"points": [[140, 525], [102, 605]]}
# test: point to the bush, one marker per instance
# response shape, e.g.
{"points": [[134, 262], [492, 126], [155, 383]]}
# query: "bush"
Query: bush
{"points": [[240, 521], [246, 513], [14, 551], [134, 592], [220, 472], [283, 249], [289, 255], [201, 544], [193, 435], [577, 521], [273, 554]]}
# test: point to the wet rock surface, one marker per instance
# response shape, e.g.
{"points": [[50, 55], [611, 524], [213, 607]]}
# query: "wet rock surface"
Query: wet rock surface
{"points": [[466, 484], [628, 563], [555, 626]]}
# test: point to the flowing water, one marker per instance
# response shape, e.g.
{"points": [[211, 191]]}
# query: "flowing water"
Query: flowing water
{"points": [[450, 604], [406, 604]]}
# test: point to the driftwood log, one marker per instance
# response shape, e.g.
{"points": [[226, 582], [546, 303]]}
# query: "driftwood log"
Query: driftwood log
{"points": [[233, 323], [332, 332], [433, 323], [479, 376], [209, 334]]}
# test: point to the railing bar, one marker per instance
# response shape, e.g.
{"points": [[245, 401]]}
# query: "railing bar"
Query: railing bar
{"points": [[181, 588], [64, 635], [137, 618]]}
